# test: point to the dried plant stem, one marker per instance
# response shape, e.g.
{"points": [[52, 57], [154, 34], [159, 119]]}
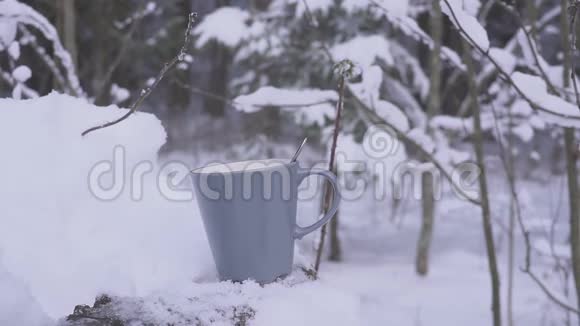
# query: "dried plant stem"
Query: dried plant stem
{"points": [[327, 189]]}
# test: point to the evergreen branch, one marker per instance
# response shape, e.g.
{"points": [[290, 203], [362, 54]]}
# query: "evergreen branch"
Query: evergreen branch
{"points": [[504, 75]]}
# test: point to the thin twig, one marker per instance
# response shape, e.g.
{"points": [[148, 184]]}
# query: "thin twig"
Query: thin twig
{"points": [[147, 91], [527, 268], [550, 295]]}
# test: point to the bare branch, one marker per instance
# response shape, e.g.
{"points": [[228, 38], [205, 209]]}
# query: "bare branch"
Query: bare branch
{"points": [[147, 91], [551, 295], [527, 268]]}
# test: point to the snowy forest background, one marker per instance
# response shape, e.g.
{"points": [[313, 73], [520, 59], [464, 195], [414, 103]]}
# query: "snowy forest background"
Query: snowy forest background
{"points": [[426, 89]]}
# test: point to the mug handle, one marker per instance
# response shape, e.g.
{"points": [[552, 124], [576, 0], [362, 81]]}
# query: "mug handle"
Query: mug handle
{"points": [[299, 231]]}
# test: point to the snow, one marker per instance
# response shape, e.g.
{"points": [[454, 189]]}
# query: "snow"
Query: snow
{"points": [[363, 50], [398, 8], [370, 86], [419, 136], [452, 57], [559, 112], [522, 108], [212, 27], [399, 95], [471, 7], [119, 94], [14, 50], [545, 248], [21, 74], [61, 246], [505, 59], [60, 241], [524, 131], [368, 91], [392, 114], [537, 122], [17, 305], [462, 18], [448, 123], [302, 7], [272, 96], [318, 114], [308, 106], [7, 30]]}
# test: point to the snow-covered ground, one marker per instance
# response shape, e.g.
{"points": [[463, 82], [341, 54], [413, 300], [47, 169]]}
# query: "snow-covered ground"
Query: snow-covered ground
{"points": [[61, 246]]}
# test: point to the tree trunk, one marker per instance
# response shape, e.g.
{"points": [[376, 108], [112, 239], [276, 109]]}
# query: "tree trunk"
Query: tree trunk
{"points": [[66, 27], [426, 233], [427, 196], [512, 224], [66, 24], [218, 79], [101, 47], [485, 206], [532, 9], [573, 196], [571, 150]]}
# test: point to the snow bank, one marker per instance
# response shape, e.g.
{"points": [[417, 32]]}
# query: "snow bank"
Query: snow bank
{"points": [[60, 246], [62, 243], [17, 305], [293, 301]]}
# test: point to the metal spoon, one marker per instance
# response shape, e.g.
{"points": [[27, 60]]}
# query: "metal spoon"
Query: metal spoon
{"points": [[299, 150]]}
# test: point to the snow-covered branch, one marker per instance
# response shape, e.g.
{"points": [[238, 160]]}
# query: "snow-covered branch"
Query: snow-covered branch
{"points": [[531, 88], [13, 13]]}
